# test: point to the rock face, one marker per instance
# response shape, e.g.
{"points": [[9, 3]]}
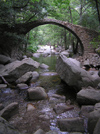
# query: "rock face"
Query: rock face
{"points": [[72, 74], [88, 96], [92, 120], [4, 59], [71, 125], [6, 128], [9, 111], [37, 93], [16, 69]]}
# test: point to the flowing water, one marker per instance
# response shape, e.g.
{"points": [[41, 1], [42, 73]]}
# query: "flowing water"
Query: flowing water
{"points": [[43, 116]]}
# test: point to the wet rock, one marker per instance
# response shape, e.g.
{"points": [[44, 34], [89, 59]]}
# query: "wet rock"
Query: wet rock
{"points": [[25, 78], [92, 120], [72, 74], [16, 69], [9, 110], [36, 55], [85, 110], [3, 86], [6, 128], [1, 106], [37, 93], [35, 76], [44, 66], [97, 127], [88, 96], [60, 108], [4, 59], [71, 124], [30, 107], [22, 86]]}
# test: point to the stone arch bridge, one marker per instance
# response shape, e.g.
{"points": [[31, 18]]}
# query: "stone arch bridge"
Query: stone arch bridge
{"points": [[84, 35]]}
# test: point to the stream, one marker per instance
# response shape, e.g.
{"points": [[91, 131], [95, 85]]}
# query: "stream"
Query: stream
{"points": [[43, 116]]}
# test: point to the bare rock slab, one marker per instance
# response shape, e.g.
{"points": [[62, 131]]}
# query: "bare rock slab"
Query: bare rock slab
{"points": [[10, 110], [72, 74], [37, 93], [88, 96], [71, 124], [16, 69]]}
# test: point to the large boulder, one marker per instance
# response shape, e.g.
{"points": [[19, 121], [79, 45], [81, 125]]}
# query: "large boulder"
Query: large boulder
{"points": [[72, 74], [37, 93], [6, 128], [92, 120], [71, 124], [10, 110], [88, 96], [4, 59], [16, 69]]}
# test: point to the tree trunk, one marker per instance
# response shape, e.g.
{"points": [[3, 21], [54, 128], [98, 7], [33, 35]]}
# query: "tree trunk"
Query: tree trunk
{"points": [[98, 10]]}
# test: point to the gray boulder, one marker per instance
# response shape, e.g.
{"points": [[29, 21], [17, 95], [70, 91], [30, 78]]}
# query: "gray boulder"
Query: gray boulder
{"points": [[97, 127], [85, 110], [39, 131], [92, 120], [4, 59], [16, 69], [25, 78], [88, 96], [6, 128], [22, 86], [35, 76], [37, 93], [44, 66], [71, 125], [72, 74], [9, 111]]}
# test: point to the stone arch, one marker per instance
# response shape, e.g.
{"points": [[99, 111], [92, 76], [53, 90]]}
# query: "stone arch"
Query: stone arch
{"points": [[84, 35]]}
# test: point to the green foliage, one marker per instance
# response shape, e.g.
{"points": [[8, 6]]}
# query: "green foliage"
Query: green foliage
{"points": [[32, 48]]}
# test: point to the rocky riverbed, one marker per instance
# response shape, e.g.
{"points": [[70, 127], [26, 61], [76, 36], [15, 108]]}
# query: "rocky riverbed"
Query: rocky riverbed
{"points": [[34, 99]]}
